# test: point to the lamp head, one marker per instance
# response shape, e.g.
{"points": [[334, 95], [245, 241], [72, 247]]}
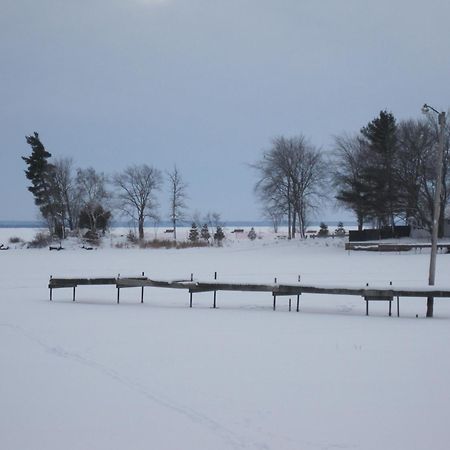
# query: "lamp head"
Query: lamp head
{"points": [[425, 108]]}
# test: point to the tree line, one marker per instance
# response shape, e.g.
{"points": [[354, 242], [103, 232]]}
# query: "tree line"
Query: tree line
{"points": [[385, 174], [71, 199]]}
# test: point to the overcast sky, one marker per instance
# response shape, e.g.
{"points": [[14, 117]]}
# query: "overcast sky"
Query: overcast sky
{"points": [[206, 84]]}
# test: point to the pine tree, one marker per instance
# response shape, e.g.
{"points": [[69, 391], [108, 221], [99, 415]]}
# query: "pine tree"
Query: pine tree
{"points": [[340, 230], [380, 179], [193, 233], [323, 232], [252, 234], [39, 172], [219, 235], [204, 233]]}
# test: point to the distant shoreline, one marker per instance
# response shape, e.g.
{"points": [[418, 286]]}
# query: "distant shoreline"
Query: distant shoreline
{"points": [[125, 224]]}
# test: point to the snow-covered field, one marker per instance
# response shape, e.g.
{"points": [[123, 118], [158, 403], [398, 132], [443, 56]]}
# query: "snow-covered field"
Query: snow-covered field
{"points": [[97, 375]]}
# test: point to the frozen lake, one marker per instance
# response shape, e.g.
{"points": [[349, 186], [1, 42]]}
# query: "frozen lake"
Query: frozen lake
{"points": [[94, 374]]}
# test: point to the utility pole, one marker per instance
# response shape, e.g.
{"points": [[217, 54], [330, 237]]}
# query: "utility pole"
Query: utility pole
{"points": [[437, 204]]}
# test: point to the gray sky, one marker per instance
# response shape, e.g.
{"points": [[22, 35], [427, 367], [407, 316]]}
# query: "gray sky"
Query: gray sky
{"points": [[206, 84]]}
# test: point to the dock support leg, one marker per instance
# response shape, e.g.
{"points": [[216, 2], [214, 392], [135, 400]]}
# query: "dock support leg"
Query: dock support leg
{"points": [[367, 307], [51, 294], [298, 303], [398, 306], [142, 291], [274, 302], [118, 295], [215, 292], [190, 299], [289, 305], [390, 308], [73, 294]]}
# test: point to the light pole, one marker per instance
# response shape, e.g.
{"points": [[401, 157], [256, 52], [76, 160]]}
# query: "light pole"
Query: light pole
{"points": [[437, 203]]}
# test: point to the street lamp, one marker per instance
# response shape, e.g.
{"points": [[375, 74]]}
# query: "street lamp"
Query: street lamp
{"points": [[437, 203]]}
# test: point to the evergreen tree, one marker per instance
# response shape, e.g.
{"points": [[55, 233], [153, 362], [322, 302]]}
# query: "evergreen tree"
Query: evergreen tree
{"points": [[252, 234], [323, 232], [381, 187], [39, 172], [204, 233], [219, 235], [340, 230], [193, 233]]}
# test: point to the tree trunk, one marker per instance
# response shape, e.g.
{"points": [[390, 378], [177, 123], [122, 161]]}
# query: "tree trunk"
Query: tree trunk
{"points": [[294, 223], [141, 228], [360, 223]]}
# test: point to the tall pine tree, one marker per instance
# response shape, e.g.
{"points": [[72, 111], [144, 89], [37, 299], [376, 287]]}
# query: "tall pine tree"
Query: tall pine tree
{"points": [[380, 179], [39, 172]]}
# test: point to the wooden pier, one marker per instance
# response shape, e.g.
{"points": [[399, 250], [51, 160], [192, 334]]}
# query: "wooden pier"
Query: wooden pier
{"points": [[393, 247], [368, 293]]}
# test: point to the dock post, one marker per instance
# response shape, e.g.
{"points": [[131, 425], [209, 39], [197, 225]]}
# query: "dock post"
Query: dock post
{"points": [[118, 289], [142, 291], [390, 301], [215, 292], [367, 302]]}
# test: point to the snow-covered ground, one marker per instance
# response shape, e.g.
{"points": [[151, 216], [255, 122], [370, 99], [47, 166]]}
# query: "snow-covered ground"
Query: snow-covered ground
{"points": [[97, 375]]}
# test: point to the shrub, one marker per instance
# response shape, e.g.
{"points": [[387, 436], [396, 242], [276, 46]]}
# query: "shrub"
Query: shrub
{"points": [[204, 233], [131, 237], [193, 233], [219, 236], [92, 238], [40, 240], [323, 232], [15, 240], [166, 243], [340, 230]]}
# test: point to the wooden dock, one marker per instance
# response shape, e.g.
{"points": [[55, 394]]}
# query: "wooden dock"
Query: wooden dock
{"points": [[393, 247], [368, 293]]}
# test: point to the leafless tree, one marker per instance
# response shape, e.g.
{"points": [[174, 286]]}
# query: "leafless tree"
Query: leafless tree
{"points": [[137, 186], [275, 213], [93, 194], [415, 168], [445, 193], [292, 176], [178, 198], [349, 161], [66, 192]]}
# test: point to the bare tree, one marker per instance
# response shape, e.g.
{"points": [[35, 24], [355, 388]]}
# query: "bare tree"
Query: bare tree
{"points": [[137, 186], [349, 161], [291, 176], [66, 192], [274, 212], [178, 198], [93, 195]]}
